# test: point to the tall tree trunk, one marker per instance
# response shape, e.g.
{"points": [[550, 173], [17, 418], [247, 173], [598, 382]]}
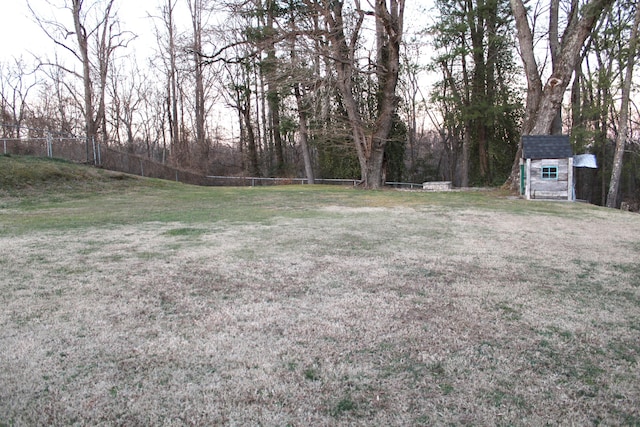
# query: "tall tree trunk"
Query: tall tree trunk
{"points": [[262, 131], [492, 90], [463, 100], [254, 169], [243, 133], [612, 196], [302, 105], [270, 70], [478, 95], [466, 149], [83, 47], [105, 47], [273, 102], [304, 134], [195, 9], [554, 49], [176, 148]]}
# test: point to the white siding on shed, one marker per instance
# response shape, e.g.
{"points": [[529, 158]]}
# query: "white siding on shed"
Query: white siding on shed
{"points": [[539, 188]]}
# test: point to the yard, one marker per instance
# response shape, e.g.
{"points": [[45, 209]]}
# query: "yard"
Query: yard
{"points": [[139, 302]]}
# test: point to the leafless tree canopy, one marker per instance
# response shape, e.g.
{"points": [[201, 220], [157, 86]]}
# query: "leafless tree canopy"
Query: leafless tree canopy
{"points": [[377, 90]]}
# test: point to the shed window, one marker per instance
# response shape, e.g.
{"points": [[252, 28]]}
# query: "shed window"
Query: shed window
{"points": [[549, 172]]}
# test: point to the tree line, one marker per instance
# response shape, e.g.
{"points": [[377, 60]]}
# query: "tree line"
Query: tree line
{"points": [[340, 88]]}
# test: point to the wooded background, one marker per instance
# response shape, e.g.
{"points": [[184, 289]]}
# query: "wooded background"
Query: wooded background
{"points": [[340, 89]]}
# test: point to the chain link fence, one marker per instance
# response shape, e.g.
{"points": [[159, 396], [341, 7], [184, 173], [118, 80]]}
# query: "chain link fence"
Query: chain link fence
{"points": [[70, 148], [85, 151], [135, 164], [89, 152]]}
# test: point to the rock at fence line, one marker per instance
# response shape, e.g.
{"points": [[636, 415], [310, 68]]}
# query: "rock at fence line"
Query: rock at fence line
{"points": [[630, 206], [437, 186]]}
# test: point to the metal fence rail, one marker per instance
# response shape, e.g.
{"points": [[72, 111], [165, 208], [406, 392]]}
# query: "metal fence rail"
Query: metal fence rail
{"points": [[404, 185], [255, 181]]}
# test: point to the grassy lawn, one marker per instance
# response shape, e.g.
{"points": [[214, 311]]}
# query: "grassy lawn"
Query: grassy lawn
{"points": [[128, 301]]}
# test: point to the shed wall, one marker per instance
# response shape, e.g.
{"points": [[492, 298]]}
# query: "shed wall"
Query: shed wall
{"points": [[549, 188]]}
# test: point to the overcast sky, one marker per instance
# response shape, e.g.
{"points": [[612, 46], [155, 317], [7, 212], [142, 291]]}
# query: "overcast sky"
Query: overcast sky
{"points": [[20, 35], [16, 31]]}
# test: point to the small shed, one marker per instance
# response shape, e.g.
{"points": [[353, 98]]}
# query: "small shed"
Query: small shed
{"points": [[546, 167]]}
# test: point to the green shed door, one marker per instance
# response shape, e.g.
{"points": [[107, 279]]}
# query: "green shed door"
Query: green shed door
{"points": [[522, 179]]}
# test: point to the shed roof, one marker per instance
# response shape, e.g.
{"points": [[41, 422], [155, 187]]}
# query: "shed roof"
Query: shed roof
{"points": [[546, 147]]}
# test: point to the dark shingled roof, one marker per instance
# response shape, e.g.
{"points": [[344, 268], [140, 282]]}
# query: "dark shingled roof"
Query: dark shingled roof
{"points": [[546, 147]]}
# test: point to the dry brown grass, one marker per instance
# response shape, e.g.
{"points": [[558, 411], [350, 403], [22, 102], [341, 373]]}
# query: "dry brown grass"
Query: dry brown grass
{"points": [[389, 314]]}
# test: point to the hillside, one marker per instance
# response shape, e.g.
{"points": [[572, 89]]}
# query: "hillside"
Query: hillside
{"points": [[24, 172], [25, 175]]}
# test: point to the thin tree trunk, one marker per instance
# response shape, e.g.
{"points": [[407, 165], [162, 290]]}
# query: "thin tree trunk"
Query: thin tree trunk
{"points": [[270, 71], [172, 89], [81, 36], [461, 99], [554, 48], [254, 169], [262, 131], [612, 196], [479, 94], [195, 9], [304, 133], [466, 148]]}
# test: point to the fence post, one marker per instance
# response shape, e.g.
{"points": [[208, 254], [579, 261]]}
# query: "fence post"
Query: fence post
{"points": [[99, 155], [5, 146], [49, 145], [93, 143]]}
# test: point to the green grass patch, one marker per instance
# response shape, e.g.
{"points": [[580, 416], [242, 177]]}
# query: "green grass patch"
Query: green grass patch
{"points": [[185, 232], [632, 270], [344, 405], [509, 312], [311, 374], [54, 194]]}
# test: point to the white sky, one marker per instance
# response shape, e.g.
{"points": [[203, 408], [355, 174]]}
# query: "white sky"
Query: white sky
{"points": [[17, 32], [21, 36]]}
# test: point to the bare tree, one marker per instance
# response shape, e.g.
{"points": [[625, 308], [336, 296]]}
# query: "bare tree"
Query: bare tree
{"points": [[369, 138], [166, 36], [238, 96], [16, 82], [545, 100], [60, 104], [196, 8], [412, 95], [127, 89], [612, 197], [96, 31]]}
